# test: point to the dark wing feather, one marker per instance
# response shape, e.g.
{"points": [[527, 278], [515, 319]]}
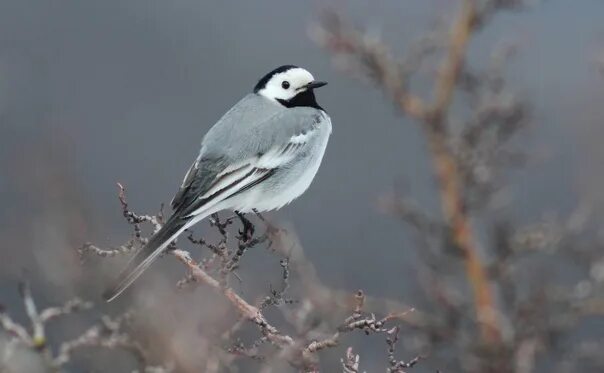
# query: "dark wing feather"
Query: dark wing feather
{"points": [[204, 175], [197, 181]]}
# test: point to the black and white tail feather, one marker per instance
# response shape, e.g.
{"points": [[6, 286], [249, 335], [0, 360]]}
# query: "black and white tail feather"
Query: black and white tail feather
{"points": [[147, 255]]}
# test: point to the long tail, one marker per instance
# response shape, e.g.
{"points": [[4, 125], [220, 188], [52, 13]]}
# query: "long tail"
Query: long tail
{"points": [[147, 255]]}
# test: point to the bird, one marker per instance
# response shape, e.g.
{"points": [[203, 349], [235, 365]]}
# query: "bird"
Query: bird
{"points": [[259, 156]]}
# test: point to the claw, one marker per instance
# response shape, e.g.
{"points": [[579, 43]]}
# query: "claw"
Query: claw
{"points": [[248, 228]]}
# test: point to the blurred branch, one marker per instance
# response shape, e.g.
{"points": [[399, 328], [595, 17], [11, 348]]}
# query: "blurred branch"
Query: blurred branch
{"points": [[71, 306], [107, 334], [375, 60], [333, 303], [351, 363], [468, 157], [245, 309], [397, 366], [452, 65], [372, 58]]}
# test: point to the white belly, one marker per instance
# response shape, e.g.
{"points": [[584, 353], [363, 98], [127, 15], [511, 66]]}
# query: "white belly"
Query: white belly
{"points": [[281, 189]]}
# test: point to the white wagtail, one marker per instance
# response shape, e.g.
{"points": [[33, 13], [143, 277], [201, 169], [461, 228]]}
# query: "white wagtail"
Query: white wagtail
{"points": [[262, 154]]}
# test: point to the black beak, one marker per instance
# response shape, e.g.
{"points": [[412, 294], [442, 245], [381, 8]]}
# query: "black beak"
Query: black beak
{"points": [[315, 84]]}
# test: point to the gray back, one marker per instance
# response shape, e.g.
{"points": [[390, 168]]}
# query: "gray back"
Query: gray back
{"points": [[254, 125]]}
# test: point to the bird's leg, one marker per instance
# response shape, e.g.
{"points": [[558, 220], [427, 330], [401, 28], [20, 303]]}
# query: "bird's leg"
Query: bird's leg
{"points": [[248, 227]]}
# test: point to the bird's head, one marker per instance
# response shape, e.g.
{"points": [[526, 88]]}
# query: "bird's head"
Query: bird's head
{"points": [[290, 86]]}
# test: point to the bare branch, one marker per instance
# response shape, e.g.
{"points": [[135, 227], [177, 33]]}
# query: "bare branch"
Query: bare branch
{"points": [[72, 305], [351, 363]]}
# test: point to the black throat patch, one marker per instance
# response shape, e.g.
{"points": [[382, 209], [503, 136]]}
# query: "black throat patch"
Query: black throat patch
{"points": [[305, 98]]}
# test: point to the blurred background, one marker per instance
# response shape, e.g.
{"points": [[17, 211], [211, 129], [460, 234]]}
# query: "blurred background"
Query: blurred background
{"points": [[98, 92]]}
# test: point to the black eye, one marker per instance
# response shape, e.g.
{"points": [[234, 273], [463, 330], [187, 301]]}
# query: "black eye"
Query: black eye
{"points": [[285, 84]]}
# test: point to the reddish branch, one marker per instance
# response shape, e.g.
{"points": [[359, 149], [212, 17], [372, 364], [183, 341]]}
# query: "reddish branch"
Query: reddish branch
{"points": [[245, 309]]}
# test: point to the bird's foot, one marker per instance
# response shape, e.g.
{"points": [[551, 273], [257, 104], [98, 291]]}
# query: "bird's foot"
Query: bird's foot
{"points": [[248, 228]]}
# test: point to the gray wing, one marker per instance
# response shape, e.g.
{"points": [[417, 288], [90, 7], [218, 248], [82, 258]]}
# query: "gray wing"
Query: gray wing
{"points": [[245, 147], [196, 180]]}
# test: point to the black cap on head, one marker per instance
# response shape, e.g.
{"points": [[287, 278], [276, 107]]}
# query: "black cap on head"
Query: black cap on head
{"points": [[262, 82]]}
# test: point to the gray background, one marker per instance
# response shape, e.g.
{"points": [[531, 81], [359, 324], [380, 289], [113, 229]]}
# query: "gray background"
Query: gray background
{"points": [[95, 92]]}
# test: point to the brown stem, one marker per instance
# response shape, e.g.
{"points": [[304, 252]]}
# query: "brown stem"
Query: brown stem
{"points": [[452, 64], [449, 178], [244, 308], [375, 59], [463, 236]]}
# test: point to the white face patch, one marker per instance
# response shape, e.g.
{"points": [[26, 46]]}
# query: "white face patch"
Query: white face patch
{"points": [[286, 85]]}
